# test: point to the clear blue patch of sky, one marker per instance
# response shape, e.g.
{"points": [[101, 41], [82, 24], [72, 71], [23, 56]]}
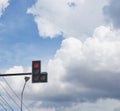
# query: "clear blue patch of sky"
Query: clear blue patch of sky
{"points": [[20, 42]]}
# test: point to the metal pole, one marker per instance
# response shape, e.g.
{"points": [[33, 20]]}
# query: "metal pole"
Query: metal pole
{"points": [[22, 95], [26, 79]]}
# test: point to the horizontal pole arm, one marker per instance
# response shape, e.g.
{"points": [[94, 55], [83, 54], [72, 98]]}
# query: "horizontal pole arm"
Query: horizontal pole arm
{"points": [[16, 74]]}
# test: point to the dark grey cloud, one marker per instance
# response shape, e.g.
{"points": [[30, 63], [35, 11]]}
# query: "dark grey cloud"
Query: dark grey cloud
{"points": [[112, 12], [100, 84]]}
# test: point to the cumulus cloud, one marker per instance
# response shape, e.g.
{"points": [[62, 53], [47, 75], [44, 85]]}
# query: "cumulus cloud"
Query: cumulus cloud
{"points": [[112, 13], [16, 81], [79, 72], [3, 5], [90, 69], [99, 105], [67, 17], [15, 69]]}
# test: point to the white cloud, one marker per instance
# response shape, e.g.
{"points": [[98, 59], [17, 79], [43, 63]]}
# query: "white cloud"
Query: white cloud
{"points": [[70, 18], [16, 81], [3, 5], [99, 105], [80, 71], [46, 28], [89, 69], [15, 69], [98, 52], [43, 109]]}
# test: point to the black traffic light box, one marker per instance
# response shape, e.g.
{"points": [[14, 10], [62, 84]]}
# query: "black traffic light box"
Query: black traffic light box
{"points": [[37, 76], [43, 77]]}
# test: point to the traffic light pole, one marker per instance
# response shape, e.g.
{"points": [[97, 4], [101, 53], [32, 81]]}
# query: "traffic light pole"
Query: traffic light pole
{"points": [[16, 74]]}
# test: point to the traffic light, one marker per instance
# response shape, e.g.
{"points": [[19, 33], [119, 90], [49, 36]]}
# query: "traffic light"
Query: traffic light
{"points": [[37, 75], [36, 70], [43, 77]]}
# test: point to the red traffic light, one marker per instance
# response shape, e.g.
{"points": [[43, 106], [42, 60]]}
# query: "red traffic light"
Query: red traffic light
{"points": [[36, 64], [37, 75], [36, 70]]}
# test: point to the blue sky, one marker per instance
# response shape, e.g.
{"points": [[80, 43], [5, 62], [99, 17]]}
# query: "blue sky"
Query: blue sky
{"points": [[20, 42], [78, 42]]}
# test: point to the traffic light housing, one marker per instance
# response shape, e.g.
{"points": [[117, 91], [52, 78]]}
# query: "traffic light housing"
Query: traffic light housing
{"points": [[43, 77], [37, 75], [36, 70]]}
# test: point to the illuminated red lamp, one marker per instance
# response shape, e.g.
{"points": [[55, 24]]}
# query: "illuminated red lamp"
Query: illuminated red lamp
{"points": [[36, 64]]}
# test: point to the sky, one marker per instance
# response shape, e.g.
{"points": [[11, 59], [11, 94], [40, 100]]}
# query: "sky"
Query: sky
{"points": [[78, 42]]}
